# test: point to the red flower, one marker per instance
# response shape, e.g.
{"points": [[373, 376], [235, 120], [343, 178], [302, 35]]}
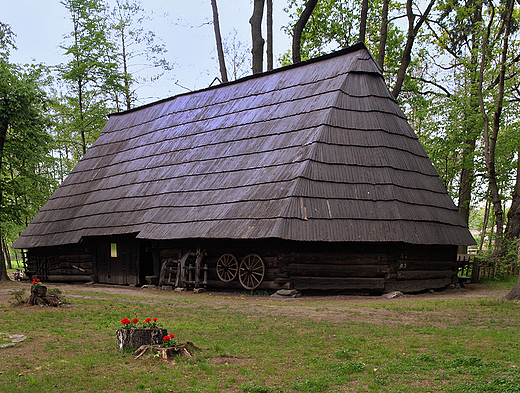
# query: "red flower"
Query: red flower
{"points": [[125, 321], [135, 320], [155, 319], [38, 279], [34, 281], [165, 338], [172, 335], [148, 320]]}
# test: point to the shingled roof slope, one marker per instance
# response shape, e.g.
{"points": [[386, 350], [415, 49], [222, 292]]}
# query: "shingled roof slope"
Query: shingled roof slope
{"points": [[318, 151]]}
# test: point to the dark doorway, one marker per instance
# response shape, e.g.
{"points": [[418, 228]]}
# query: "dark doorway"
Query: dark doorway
{"points": [[145, 261], [117, 260]]}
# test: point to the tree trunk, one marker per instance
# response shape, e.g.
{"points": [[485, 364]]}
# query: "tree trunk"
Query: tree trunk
{"points": [[513, 228], [363, 21], [513, 216], [3, 270], [383, 35], [412, 33], [256, 36], [490, 138], [134, 338], [298, 29], [4, 125], [270, 62], [472, 127], [514, 293], [7, 255], [484, 225], [218, 39], [126, 75]]}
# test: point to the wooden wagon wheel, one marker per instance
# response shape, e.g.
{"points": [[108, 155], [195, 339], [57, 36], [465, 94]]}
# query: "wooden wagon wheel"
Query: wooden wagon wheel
{"points": [[251, 272], [227, 267]]}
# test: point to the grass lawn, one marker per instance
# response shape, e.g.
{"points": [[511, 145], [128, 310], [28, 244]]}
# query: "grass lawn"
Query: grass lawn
{"points": [[462, 341]]}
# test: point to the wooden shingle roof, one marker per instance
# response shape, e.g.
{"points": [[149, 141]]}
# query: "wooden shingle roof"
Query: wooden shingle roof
{"points": [[318, 151]]}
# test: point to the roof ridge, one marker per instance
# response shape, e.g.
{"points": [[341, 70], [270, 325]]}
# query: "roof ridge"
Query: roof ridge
{"points": [[354, 48]]}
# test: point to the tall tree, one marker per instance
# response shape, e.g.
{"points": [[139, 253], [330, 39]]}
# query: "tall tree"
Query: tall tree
{"points": [[92, 72], [218, 39], [269, 15], [363, 20], [136, 49], [459, 36], [413, 30], [24, 143], [491, 134], [512, 233], [298, 29], [238, 56], [256, 36], [383, 35]]}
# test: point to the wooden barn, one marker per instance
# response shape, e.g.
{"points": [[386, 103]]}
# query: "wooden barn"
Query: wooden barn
{"points": [[306, 177]]}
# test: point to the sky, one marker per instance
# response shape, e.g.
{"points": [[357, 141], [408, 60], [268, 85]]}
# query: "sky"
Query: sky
{"points": [[183, 26]]}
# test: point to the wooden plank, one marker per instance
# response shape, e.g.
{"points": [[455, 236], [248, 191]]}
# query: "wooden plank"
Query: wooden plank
{"points": [[68, 278], [424, 274], [407, 264], [411, 286], [334, 270], [236, 285], [432, 253], [340, 258], [336, 283]]}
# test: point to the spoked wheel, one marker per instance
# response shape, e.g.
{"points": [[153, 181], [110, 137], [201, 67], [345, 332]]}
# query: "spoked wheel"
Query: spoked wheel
{"points": [[251, 272], [227, 267]]}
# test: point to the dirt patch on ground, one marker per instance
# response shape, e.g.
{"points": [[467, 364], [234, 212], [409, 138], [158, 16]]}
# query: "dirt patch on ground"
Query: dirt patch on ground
{"points": [[335, 309]]}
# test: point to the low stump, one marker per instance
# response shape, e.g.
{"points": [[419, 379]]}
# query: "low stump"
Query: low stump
{"points": [[39, 297], [185, 349], [136, 337]]}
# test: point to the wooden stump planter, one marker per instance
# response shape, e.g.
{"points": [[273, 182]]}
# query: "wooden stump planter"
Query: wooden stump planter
{"points": [[185, 349], [39, 297], [135, 337]]}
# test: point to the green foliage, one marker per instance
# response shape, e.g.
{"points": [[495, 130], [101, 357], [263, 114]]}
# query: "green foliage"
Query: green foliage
{"points": [[18, 296], [90, 76], [26, 161], [135, 50], [57, 293]]}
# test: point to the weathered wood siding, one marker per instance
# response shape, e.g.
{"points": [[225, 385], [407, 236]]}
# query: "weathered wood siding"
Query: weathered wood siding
{"points": [[64, 263], [327, 266]]}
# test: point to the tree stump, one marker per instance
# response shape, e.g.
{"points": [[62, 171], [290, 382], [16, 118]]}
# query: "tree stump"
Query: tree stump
{"points": [[185, 349], [135, 337], [39, 297]]}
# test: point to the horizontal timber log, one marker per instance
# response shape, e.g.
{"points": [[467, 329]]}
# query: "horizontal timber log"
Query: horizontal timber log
{"points": [[236, 285], [68, 278], [336, 283], [334, 258], [424, 274], [432, 253], [407, 264], [329, 270], [411, 286]]}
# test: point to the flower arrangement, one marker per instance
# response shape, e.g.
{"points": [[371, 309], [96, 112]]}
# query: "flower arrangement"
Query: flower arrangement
{"points": [[36, 282], [126, 323], [149, 323], [168, 341]]}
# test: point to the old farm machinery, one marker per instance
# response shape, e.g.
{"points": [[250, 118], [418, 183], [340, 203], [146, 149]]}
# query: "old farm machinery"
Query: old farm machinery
{"points": [[188, 271]]}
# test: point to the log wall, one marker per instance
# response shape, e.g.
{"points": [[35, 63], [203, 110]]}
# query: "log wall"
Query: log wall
{"points": [[61, 264], [349, 268], [331, 267]]}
